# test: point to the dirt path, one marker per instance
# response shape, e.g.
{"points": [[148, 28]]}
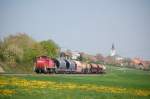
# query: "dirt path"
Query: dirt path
{"points": [[1, 70]]}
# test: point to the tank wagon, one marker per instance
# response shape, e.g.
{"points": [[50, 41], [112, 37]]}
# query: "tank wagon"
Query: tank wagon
{"points": [[61, 65], [44, 64]]}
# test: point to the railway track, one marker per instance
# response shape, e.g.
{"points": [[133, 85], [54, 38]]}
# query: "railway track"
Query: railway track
{"points": [[33, 74]]}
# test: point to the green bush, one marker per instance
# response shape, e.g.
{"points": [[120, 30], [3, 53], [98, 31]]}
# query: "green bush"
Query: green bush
{"points": [[21, 50]]}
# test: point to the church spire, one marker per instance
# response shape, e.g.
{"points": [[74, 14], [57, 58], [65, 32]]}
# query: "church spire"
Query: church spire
{"points": [[113, 47], [113, 51]]}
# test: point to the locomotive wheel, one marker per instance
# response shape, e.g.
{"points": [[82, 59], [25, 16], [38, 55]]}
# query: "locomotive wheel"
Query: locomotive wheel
{"points": [[40, 71], [37, 70], [48, 71]]}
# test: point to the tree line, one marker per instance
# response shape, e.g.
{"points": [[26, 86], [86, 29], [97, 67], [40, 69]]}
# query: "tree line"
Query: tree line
{"points": [[21, 49]]}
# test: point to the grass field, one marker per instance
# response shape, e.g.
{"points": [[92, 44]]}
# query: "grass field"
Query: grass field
{"points": [[117, 83]]}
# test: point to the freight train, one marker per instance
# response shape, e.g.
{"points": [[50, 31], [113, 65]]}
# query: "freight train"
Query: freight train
{"points": [[44, 64]]}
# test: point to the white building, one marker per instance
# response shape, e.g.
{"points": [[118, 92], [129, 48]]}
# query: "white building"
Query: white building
{"points": [[75, 55]]}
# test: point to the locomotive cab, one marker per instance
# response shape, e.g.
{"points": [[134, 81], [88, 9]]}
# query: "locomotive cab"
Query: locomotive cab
{"points": [[44, 64]]}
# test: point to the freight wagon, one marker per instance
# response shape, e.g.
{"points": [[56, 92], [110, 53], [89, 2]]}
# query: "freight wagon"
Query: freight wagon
{"points": [[44, 64]]}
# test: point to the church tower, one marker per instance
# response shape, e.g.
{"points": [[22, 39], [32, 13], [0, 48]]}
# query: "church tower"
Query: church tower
{"points": [[113, 51]]}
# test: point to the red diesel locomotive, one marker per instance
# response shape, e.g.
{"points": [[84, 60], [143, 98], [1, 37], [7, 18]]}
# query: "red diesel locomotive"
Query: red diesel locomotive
{"points": [[44, 64]]}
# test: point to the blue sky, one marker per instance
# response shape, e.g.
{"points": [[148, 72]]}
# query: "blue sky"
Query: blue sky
{"points": [[84, 25]]}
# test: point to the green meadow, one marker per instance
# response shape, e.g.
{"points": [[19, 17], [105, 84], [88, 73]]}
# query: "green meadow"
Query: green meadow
{"points": [[116, 83]]}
